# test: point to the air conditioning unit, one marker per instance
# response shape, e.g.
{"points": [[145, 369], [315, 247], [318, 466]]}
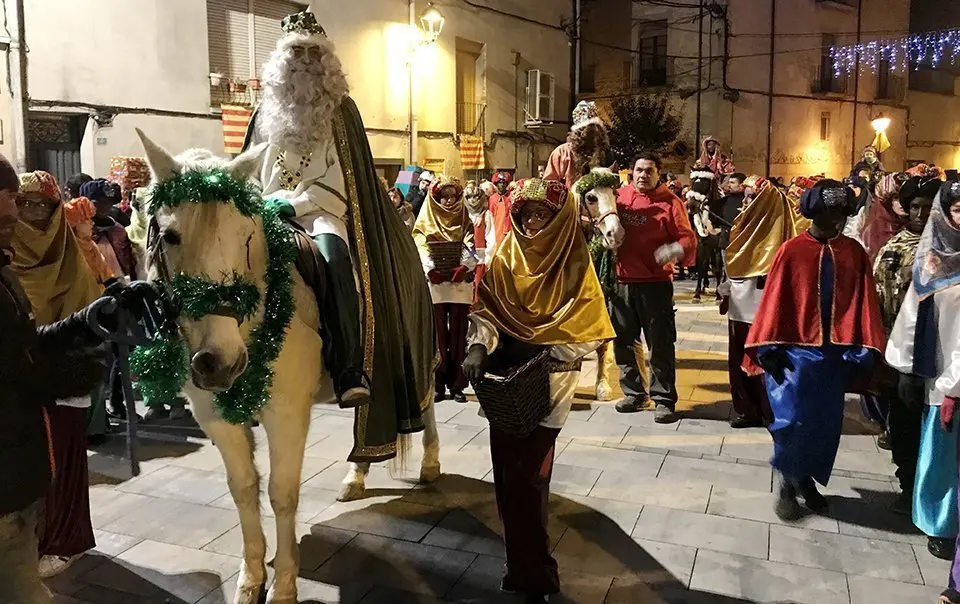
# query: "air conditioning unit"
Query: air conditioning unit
{"points": [[541, 97]]}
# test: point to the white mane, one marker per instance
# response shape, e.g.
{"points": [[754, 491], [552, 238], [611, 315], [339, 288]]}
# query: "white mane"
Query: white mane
{"points": [[199, 160]]}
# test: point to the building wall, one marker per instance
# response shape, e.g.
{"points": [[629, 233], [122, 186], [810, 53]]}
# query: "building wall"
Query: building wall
{"points": [[157, 59], [742, 126]]}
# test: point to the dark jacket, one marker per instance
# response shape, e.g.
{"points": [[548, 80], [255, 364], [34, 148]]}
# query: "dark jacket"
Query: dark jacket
{"points": [[37, 367]]}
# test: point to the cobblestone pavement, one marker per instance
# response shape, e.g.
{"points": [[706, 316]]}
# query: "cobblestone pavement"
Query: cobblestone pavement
{"points": [[641, 514]]}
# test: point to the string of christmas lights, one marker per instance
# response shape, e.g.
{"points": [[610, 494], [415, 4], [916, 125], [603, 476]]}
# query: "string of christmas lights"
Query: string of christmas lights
{"points": [[930, 48]]}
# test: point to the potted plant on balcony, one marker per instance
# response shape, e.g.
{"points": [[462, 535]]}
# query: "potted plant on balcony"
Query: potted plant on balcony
{"points": [[216, 78], [237, 86], [254, 83]]}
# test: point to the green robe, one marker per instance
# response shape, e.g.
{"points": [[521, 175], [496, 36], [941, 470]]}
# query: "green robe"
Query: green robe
{"points": [[399, 343]]}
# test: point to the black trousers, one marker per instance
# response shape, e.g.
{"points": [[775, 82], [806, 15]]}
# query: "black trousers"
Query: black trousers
{"points": [[340, 311], [646, 308], [904, 424]]}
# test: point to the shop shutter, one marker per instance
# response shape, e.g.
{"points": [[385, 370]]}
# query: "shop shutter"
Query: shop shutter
{"points": [[266, 27], [228, 27]]}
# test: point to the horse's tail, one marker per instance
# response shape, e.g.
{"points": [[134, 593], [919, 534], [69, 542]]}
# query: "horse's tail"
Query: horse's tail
{"points": [[398, 465]]}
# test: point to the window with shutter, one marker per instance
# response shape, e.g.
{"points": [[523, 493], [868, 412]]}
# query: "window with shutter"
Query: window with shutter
{"points": [[228, 31], [266, 27]]}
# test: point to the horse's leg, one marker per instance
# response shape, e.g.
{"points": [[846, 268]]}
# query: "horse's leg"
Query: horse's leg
{"points": [[236, 447], [430, 464], [353, 487], [286, 422]]}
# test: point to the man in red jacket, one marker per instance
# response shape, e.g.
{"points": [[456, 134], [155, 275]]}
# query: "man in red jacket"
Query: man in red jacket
{"points": [[658, 235]]}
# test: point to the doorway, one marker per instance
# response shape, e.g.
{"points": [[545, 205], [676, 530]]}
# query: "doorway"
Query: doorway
{"points": [[54, 144]]}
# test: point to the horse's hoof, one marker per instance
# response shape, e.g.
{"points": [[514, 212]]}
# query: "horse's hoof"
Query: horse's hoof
{"points": [[604, 393], [429, 474], [351, 491], [271, 599], [250, 595]]}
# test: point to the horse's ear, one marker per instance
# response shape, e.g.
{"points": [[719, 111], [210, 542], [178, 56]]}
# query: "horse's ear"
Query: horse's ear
{"points": [[247, 163], [162, 165]]}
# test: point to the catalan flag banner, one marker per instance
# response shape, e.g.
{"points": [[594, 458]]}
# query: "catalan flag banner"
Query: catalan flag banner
{"points": [[471, 152], [235, 118]]}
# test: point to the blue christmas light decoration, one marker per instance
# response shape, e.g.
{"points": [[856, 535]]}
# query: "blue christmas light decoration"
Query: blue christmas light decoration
{"points": [[930, 49]]}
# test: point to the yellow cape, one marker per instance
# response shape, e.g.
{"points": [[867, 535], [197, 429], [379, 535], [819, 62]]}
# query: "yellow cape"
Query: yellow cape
{"points": [[758, 232], [52, 270], [543, 289]]}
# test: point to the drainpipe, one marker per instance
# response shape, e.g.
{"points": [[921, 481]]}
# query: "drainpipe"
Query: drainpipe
{"points": [[575, 58], [773, 48], [412, 109], [18, 81], [516, 106], [856, 88], [699, 75]]}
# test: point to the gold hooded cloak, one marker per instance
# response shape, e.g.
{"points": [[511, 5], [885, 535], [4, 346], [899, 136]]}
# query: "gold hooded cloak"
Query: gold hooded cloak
{"points": [[759, 230]]}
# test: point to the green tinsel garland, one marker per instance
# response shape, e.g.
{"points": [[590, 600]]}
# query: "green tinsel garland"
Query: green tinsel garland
{"points": [[199, 297], [605, 263], [162, 367], [595, 180]]}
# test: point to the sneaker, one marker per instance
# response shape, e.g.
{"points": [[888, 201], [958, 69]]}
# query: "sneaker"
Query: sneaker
{"points": [[941, 548], [786, 507], [54, 565], [459, 397], [665, 415], [629, 405], [812, 498], [156, 413], [903, 505], [745, 421], [883, 441]]}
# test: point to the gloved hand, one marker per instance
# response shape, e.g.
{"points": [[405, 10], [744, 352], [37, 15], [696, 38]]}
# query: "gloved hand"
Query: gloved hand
{"points": [[724, 306], [912, 390], [775, 362], [76, 374], [282, 207], [437, 277], [475, 364], [947, 409], [459, 274], [668, 253]]}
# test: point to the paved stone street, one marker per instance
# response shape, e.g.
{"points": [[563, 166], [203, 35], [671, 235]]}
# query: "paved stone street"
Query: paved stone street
{"points": [[642, 514]]}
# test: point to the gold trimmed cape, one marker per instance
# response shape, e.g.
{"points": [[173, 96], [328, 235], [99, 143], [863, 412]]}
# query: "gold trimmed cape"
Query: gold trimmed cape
{"points": [[758, 233]]}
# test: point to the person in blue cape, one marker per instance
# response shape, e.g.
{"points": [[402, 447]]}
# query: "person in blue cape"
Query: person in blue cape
{"points": [[817, 335]]}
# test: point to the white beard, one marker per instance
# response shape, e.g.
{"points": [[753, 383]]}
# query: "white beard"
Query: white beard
{"points": [[300, 99]]}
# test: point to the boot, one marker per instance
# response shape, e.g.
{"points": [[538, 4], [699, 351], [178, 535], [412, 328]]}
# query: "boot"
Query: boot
{"points": [[340, 309], [786, 506], [811, 496]]}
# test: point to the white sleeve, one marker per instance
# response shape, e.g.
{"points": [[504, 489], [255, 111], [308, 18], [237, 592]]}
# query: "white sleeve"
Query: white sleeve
{"points": [[468, 258], [567, 353], [899, 353], [482, 332]]}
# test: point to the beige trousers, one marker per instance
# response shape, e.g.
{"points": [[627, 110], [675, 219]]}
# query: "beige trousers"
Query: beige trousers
{"points": [[19, 574]]}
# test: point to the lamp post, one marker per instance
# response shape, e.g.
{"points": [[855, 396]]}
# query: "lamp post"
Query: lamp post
{"points": [[431, 24], [880, 140]]}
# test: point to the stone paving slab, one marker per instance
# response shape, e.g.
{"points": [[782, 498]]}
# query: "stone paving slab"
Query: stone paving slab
{"points": [[641, 513]]}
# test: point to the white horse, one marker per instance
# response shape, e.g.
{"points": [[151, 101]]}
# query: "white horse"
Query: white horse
{"points": [[596, 193], [212, 240]]}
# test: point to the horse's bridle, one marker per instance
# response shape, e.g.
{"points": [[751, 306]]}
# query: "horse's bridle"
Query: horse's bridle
{"points": [[598, 221], [156, 257]]}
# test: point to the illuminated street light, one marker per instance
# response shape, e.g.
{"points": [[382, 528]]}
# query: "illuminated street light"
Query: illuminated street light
{"points": [[880, 124], [431, 22]]}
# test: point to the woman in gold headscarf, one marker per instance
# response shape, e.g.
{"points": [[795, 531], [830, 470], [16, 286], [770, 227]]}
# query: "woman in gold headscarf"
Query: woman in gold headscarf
{"points": [[444, 235], [766, 223], [540, 292], [55, 275]]}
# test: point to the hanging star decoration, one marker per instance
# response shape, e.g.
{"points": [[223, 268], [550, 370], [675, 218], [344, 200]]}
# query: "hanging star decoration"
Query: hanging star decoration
{"points": [[930, 49], [162, 367]]}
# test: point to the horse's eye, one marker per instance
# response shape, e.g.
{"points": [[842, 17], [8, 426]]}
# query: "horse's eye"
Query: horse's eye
{"points": [[592, 198], [171, 237]]}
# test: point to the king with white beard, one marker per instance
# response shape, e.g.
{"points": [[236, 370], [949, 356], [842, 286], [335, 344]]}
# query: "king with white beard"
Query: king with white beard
{"points": [[318, 172]]}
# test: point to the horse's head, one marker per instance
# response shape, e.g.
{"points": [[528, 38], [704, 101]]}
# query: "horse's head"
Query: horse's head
{"points": [[206, 245], [596, 193]]}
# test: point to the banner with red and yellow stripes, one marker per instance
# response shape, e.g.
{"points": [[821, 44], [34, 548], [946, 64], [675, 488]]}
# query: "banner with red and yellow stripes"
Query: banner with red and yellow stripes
{"points": [[471, 152], [235, 118]]}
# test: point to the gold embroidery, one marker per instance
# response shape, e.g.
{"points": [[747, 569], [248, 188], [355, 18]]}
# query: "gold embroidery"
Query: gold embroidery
{"points": [[363, 260]]}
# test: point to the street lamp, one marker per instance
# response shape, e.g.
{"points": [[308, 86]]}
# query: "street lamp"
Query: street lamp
{"points": [[880, 125], [431, 24]]}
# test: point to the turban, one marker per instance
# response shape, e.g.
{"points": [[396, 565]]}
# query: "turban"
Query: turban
{"points": [[919, 186], [551, 193], [827, 194], [502, 176], [100, 189], [40, 183]]}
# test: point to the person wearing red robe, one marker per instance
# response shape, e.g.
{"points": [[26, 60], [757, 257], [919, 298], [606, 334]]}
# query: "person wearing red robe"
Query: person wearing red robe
{"points": [[500, 205], [818, 334]]}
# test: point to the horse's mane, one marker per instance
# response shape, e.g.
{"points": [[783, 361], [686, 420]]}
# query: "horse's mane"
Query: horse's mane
{"points": [[198, 160]]}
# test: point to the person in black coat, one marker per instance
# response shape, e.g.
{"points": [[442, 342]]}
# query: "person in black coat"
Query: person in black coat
{"points": [[38, 365]]}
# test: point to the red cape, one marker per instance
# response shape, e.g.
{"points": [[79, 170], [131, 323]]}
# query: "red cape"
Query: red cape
{"points": [[789, 310]]}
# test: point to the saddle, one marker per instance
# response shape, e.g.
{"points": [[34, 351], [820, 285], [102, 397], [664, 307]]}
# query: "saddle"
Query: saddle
{"points": [[311, 265]]}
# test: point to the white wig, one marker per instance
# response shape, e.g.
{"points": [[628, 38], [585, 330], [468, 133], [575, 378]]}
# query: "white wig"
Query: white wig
{"points": [[301, 93]]}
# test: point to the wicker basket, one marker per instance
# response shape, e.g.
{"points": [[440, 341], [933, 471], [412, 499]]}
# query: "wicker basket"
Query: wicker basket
{"points": [[445, 255], [517, 402]]}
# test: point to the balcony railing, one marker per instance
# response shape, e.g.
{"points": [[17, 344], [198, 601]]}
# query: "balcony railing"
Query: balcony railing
{"points": [[655, 74], [825, 81], [235, 92], [471, 118]]}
